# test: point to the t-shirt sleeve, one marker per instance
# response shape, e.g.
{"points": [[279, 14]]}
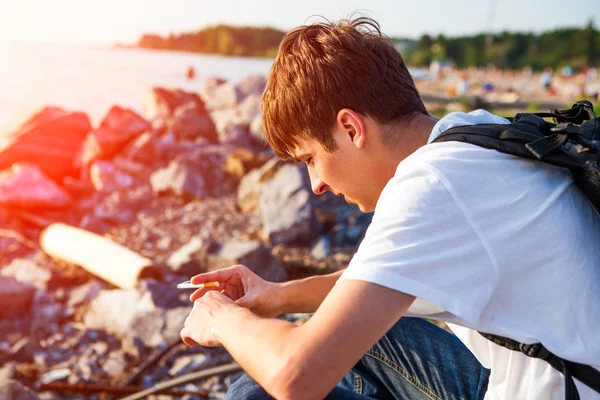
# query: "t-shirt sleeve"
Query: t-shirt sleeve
{"points": [[421, 242]]}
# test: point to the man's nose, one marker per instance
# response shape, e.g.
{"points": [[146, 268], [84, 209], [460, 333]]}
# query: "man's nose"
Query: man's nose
{"points": [[317, 185]]}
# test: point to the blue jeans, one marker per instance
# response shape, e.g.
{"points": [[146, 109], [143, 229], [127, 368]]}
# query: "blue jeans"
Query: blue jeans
{"points": [[414, 360]]}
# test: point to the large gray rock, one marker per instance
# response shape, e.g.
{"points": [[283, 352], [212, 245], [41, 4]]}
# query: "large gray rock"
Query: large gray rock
{"points": [[50, 139], [251, 185], [134, 315], [26, 186], [160, 102], [199, 173], [180, 179], [252, 254], [191, 121], [286, 208]]}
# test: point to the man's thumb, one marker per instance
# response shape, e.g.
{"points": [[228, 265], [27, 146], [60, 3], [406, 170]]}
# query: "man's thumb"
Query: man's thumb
{"points": [[245, 301]]}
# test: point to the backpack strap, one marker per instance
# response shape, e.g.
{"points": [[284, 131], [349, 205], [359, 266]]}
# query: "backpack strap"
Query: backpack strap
{"points": [[584, 373], [522, 138]]}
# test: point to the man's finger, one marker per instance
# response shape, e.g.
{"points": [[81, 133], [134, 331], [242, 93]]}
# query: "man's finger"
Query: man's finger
{"points": [[220, 275], [201, 292]]}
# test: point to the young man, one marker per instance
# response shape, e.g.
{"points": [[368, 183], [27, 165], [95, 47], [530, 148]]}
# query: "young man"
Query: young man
{"points": [[474, 237]]}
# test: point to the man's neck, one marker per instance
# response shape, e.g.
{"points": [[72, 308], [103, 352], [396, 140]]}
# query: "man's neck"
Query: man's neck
{"points": [[413, 135]]}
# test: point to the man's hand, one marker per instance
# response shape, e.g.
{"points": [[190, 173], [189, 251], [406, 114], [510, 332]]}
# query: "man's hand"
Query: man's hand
{"points": [[198, 326], [244, 287]]}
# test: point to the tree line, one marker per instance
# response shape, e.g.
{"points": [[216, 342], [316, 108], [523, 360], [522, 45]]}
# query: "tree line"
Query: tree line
{"points": [[577, 47], [220, 39]]}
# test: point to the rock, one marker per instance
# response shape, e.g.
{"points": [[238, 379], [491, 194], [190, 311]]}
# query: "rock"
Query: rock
{"points": [[182, 262], [14, 390], [236, 135], [322, 249], [287, 212], [134, 315], [251, 185], [241, 161], [121, 207], [142, 149], [113, 310], [179, 179], [45, 315], [252, 254], [225, 95], [165, 146], [16, 298], [125, 121], [55, 375], [9, 371], [249, 108], [119, 127], [174, 321], [160, 102], [199, 174], [116, 364], [191, 121], [84, 294], [106, 178], [29, 272], [256, 128], [50, 139], [161, 295], [186, 364], [350, 232], [26, 186], [252, 84]]}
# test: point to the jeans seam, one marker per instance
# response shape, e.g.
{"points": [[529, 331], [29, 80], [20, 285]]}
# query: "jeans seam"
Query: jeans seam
{"points": [[405, 374], [358, 386]]}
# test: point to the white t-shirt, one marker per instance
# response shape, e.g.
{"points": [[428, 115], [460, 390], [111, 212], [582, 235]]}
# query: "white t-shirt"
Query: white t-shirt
{"points": [[494, 243]]}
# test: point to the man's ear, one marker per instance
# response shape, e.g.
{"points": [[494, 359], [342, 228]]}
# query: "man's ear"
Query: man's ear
{"points": [[352, 124]]}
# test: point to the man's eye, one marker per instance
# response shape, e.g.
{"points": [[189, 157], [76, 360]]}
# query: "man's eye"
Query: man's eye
{"points": [[309, 161]]}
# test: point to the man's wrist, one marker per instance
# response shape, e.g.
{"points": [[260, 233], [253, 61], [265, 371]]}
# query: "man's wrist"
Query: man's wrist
{"points": [[225, 320]]}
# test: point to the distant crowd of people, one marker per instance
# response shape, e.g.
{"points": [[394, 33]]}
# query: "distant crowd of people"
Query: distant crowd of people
{"points": [[497, 84]]}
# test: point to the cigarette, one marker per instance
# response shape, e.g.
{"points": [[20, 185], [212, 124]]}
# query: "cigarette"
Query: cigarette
{"points": [[190, 285]]}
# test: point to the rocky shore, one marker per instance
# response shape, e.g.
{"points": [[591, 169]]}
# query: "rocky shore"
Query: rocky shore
{"points": [[190, 185]]}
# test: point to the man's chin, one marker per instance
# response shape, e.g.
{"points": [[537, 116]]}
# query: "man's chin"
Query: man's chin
{"points": [[364, 208]]}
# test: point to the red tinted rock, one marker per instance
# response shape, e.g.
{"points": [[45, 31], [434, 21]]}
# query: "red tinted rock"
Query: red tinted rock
{"points": [[119, 127], [26, 186], [50, 139]]}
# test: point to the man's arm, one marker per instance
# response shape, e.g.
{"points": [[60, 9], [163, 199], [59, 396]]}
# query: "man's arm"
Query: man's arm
{"points": [[304, 361], [306, 295], [265, 298]]}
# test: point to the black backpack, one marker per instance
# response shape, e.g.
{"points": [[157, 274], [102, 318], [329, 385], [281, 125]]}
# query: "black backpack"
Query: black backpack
{"points": [[571, 141]]}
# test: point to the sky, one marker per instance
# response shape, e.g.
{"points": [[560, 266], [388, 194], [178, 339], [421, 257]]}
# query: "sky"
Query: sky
{"points": [[124, 21]]}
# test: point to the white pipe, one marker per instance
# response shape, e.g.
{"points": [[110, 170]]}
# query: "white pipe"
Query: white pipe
{"points": [[96, 254]]}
